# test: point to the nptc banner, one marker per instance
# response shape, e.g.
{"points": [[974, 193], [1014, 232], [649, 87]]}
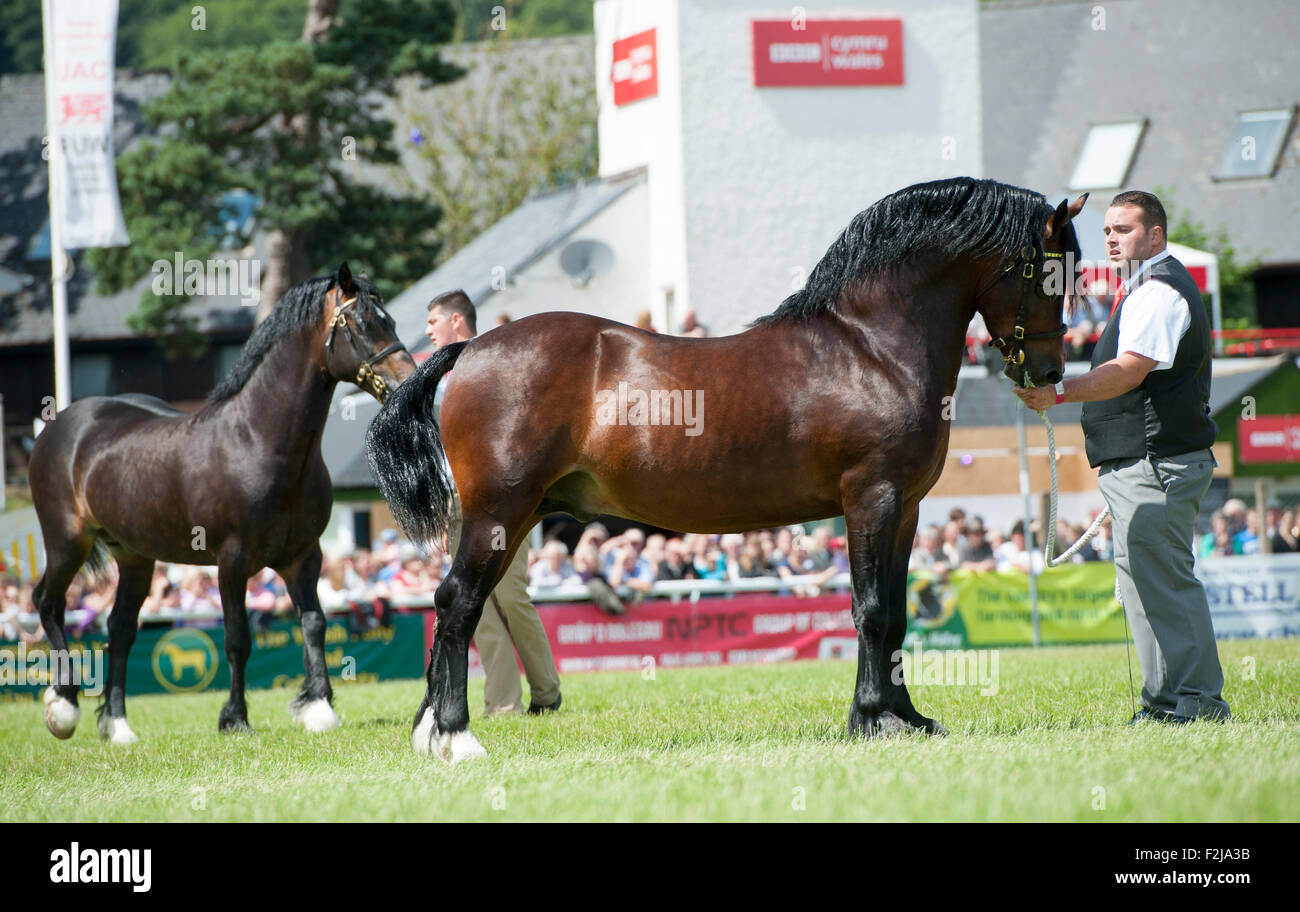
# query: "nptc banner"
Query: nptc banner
{"points": [[79, 45]]}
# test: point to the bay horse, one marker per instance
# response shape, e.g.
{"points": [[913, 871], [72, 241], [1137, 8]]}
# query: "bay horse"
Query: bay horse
{"points": [[833, 404], [240, 484]]}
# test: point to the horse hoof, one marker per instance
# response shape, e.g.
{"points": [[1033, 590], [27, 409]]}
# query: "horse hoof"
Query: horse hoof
{"points": [[61, 715], [886, 724], [460, 746], [116, 731], [422, 734], [316, 716]]}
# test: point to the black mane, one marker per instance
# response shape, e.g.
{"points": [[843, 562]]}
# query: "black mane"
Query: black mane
{"points": [[960, 216], [299, 309]]}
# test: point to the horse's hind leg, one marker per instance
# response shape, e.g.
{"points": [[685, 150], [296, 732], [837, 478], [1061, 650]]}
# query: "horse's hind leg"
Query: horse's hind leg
{"points": [[135, 574], [312, 707], [442, 721], [64, 557], [232, 578], [878, 523]]}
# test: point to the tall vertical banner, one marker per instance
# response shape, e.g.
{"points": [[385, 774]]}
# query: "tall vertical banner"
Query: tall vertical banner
{"points": [[79, 48]]}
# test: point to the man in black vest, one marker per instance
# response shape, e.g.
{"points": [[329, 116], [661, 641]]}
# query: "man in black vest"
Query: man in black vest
{"points": [[1147, 428]]}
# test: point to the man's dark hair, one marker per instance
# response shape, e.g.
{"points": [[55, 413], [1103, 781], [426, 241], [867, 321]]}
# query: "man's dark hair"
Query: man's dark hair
{"points": [[1153, 213], [457, 302]]}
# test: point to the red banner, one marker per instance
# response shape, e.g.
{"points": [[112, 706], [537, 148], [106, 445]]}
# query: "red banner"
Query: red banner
{"points": [[1269, 438], [751, 628], [833, 52], [635, 73]]}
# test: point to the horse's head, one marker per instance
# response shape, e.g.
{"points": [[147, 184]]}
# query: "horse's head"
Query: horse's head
{"points": [[361, 343], [1023, 303]]}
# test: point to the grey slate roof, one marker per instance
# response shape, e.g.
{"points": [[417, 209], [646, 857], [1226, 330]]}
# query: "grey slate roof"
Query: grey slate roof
{"points": [[510, 245], [1188, 66]]}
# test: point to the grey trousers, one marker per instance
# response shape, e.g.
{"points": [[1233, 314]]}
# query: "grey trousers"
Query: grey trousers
{"points": [[510, 622], [1153, 505]]}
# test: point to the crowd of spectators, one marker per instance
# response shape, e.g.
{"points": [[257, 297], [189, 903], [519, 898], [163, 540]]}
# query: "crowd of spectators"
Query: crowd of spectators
{"points": [[1234, 529], [616, 569]]}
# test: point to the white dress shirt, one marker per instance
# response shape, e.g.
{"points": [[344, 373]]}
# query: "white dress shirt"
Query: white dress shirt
{"points": [[1153, 318]]}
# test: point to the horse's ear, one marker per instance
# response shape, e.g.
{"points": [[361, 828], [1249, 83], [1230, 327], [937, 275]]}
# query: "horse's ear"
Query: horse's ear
{"points": [[345, 279], [1057, 220], [1077, 206], [1063, 214]]}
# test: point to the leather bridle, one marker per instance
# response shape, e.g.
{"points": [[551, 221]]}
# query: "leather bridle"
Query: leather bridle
{"points": [[1012, 348], [366, 377]]}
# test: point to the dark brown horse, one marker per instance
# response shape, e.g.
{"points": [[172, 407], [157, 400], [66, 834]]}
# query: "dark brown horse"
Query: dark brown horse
{"points": [[240, 484], [833, 404]]}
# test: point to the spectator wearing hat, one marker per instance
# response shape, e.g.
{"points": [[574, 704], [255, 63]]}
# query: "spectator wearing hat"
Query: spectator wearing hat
{"points": [[975, 553]]}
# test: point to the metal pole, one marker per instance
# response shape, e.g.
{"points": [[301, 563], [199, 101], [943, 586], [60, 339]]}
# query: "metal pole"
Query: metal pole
{"points": [[1029, 527], [58, 258]]}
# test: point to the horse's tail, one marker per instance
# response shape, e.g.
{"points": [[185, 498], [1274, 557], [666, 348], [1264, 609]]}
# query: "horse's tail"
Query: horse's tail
{"points": [[97, 567], [405, 452]]}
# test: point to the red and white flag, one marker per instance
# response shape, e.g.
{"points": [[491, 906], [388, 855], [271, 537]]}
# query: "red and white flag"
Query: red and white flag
{"points": [[79, 49]]}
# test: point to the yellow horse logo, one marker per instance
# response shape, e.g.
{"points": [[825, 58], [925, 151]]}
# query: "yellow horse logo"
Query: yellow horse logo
{"points": [[185, 660]]}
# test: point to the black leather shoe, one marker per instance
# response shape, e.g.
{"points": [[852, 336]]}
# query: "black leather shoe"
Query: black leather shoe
{"points": [[1157, 715], [535, 710]]}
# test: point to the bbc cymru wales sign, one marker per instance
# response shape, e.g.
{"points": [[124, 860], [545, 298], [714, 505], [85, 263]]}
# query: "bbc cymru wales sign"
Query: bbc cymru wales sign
{"points": [[828, 52], [193, 659]]}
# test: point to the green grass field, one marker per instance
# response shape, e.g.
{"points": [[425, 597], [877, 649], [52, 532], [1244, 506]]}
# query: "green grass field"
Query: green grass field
{"points": [[743, 743]]}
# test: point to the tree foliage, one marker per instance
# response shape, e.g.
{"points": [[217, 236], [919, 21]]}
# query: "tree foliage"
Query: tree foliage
{"points": [[1236, 286], [519, 123], [280, 121]]}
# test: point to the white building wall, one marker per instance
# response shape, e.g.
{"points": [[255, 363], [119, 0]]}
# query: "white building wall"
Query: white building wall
{"points": [[748, 186], [648, 133]]}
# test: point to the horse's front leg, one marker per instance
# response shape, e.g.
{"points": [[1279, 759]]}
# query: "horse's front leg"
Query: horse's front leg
{"points": [[232, 577], [880, 531], [313, 706], [134, 577]]}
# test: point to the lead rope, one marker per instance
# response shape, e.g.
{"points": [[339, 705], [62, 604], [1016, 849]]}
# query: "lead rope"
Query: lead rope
{"points": [[1050, 545]]}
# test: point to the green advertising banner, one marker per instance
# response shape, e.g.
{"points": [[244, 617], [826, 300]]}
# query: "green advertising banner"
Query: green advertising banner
{"points": [[193, 659], [1076, 604]]}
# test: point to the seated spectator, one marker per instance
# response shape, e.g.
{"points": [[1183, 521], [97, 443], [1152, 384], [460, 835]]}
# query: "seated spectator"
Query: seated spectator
{"points": [[818, 547], [199, 592], [332, 587], [1012, 554], [1285, 535], [751, 564], [1088, 552], [265, 597], [730, 545], [1247, 540], [975, 553], [653, 551], [626, 566], [839, 555], [413, 578], [801, 564], [928, 555], [781, 544], [388, 556], [952, 538], [553, 569], [674, 566]]}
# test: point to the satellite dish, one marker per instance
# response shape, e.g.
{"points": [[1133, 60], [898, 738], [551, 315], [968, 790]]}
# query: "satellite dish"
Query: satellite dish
{"points": [[583, 260]]}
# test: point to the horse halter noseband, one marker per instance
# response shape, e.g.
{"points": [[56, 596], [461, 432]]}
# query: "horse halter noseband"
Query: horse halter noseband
{"points": [[1013, 348], [366, 377]]}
